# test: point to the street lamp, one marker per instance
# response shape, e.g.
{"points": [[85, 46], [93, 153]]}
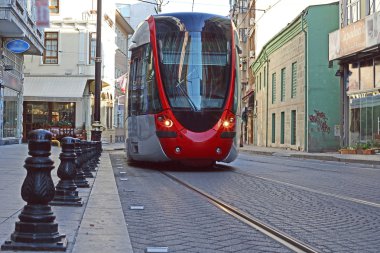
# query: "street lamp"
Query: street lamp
{"points": [[96, 132]]}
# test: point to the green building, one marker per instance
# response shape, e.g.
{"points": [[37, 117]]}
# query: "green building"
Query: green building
{"points": [[297, 94]]}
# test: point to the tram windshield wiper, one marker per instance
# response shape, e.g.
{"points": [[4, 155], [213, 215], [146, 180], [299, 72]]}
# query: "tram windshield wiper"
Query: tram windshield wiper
{"points": [[188, 98]]}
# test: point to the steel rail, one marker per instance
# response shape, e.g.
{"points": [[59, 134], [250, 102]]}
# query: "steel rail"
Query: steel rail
{"points": [[273, 233]]}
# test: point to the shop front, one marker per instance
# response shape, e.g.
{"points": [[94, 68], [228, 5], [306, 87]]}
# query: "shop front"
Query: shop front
{"points": [[356, 47], [59, 104], [10, 107]]}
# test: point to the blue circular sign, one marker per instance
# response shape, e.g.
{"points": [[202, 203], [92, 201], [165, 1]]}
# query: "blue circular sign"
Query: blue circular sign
{"points": [[17, 46]]}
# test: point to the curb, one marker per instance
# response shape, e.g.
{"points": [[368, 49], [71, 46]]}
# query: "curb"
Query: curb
{"points": [[314, 157]]}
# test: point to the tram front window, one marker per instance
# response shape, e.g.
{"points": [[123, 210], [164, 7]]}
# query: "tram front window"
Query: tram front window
{"points": [[195, 69]]}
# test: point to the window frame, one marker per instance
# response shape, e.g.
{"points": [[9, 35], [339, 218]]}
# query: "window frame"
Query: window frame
{"points": [[294, 80], [274, 87], [283, 76], [45, 58]]}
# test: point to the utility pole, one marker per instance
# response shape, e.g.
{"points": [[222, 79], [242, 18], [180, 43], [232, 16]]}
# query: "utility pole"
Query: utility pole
{"points": [[96, 132]]}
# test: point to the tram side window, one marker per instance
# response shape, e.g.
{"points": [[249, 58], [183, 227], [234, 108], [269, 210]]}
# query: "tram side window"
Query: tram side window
{"points": [[143, 93]]}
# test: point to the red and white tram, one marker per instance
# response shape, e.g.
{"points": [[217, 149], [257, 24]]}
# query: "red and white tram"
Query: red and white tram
{"points": [[183, 94]]}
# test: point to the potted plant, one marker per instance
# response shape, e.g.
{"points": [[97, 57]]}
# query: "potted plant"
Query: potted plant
{"points": [[350, 150], [367, 149]]}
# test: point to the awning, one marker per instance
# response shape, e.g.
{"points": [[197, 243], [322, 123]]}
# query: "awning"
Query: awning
{"points": [[248, 94], [55, 89], [92, 85]]}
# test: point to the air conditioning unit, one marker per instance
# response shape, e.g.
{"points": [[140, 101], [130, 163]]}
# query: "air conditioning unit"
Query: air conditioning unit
{"points": [[251, 53], [252, 21]]}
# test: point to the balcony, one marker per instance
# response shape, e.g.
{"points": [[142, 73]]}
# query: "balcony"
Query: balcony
{"points": [[16, 22]]}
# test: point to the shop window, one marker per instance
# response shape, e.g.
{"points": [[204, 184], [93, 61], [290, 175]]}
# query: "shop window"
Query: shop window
{"points": [[10, 115], [48, 115], [51, 48], [364, 118]]}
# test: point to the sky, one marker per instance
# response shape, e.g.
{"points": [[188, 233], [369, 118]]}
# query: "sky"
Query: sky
{"points": [[220, 7], [277, 15]]}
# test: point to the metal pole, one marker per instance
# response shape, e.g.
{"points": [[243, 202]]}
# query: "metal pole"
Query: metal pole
{"points": [[96, 132]]}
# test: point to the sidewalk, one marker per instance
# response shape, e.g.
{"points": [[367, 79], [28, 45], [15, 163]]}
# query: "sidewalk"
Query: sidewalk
{"points": [[328, 156], [97, 226]]}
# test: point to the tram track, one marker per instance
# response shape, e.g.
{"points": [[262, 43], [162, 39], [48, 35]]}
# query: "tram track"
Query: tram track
{"points": [[278, 236], [338, 196]]}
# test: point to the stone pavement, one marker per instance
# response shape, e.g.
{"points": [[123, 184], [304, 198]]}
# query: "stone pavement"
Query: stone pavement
{"points": [[99, 225]]}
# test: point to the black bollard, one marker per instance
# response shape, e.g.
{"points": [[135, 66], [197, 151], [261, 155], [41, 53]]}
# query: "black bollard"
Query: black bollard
{"points": [[80, 179], [86, 160], [66, 193], [36, 229]]}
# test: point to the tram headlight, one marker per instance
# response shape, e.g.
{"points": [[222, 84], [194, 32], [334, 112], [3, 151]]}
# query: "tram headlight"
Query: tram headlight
{"points": [[168, 123], [226, 123], [229, 122]]}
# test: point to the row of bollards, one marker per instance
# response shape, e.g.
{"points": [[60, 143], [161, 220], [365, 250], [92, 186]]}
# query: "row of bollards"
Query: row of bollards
{"points": [[36, 229]]}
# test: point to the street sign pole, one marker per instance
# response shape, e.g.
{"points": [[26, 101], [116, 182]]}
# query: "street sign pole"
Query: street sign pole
{"points": [[96, 132]]}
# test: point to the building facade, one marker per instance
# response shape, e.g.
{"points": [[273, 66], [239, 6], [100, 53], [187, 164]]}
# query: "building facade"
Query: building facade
{"points": [[243, 15], [355, 46], [297, 105], [59, 86], [17, 24]]}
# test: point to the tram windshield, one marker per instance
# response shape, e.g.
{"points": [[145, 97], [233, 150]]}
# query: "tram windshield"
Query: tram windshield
{"points": [[195, 67]]}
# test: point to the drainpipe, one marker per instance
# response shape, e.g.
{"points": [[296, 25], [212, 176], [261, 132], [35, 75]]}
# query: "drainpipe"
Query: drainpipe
{"points": [[304, 13], [266, 137]]}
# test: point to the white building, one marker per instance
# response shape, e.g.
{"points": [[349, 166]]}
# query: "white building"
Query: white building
{"points": [[17, 24], [59, 86]]}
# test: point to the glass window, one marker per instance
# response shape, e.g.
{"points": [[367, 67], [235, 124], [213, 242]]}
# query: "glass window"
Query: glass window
{"points": [[366, 74], [243, 34], [51, 48], [377, 72], [54, 6], [243, 4], [92, 44], [374, 6], [10, 115], [143, 93], [49, 114], [353, 76], [195, 68], [353, 11], [364, 118]]}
